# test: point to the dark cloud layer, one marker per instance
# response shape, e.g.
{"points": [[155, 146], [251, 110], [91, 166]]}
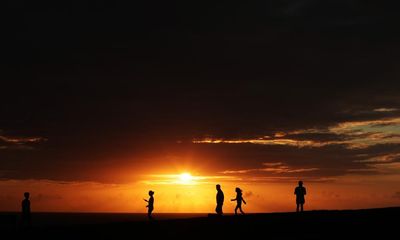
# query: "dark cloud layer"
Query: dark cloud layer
{"points": [[112, 86]]}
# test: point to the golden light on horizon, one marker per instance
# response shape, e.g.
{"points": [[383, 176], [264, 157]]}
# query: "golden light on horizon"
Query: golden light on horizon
{"points": [[185, 178], [198, 194]]}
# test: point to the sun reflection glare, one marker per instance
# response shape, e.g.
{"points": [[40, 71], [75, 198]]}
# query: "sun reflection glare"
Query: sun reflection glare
{"points": [[185, 178]]}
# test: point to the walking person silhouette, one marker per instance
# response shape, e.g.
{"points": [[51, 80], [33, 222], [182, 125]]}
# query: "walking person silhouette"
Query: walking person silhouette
{"points": [[150, 205], [26, 211], [239, 199], [300, 191], [220, 200]]}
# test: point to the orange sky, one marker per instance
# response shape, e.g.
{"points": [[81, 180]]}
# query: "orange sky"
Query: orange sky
{"points": [[197, 195], [361, 173], [101, 106]]}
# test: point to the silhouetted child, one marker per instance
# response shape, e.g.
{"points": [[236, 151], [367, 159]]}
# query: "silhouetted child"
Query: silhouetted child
{"points": [[26, 210], [300, 191], [239, 199], [150, 205], [220, 200]]}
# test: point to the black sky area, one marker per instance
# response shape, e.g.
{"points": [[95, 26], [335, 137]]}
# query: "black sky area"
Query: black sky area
{"points": [[101, 80]]}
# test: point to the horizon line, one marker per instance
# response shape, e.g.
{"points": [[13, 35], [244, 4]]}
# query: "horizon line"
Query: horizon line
{"points": [[247, 213]]}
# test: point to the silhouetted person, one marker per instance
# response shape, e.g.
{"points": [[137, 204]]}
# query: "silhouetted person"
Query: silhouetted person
{"points": [[150, 205], [220, 200], [300, 191], [26, 210], [239, 199]]}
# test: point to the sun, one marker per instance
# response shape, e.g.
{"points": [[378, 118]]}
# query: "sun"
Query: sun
{"points": [[185, 178]]}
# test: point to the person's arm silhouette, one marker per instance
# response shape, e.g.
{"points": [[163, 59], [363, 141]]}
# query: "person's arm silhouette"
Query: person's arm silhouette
{"points": [[244, 201]]}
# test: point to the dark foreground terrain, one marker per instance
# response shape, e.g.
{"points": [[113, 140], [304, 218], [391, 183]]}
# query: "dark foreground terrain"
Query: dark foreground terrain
{"points": [[357, 224]]}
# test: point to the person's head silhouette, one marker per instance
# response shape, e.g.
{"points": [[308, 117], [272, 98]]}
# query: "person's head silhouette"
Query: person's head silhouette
{"points": [[218, 187], [300, 183], [238, 190], [26, 195], [151, 193]]}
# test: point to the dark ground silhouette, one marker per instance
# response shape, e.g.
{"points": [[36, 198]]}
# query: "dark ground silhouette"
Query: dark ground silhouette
{"points": [[357, 224]]}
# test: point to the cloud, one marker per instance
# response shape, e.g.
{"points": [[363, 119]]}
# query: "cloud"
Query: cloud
{"points": [[352, 134], [385, 158], [279, 134], [367, 142], [288, 179], [353, 126], [392, 168], [275, 168], [386, 109], [262, 141], [21, 140], [19, 143]]}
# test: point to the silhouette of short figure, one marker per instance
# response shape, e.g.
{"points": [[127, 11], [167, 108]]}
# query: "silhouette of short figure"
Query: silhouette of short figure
{"points": [[300, 191], [239, 199], [220, 200], [26, 210], [150, 205]]}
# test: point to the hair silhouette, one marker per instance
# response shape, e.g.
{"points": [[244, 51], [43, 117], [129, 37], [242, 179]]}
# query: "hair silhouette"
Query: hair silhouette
{"points": [[239, 199], [220, 200], [300, 191], [150, 205], [26, 210]]}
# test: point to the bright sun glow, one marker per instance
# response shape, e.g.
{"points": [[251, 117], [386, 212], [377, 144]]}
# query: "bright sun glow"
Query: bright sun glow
{"points": [[185, 178]]}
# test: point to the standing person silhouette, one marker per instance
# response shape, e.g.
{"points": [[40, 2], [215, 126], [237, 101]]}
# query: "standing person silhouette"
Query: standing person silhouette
{"points": [[26, 210], [239, 199], [220, 200], [300, 191], [150, 205]]}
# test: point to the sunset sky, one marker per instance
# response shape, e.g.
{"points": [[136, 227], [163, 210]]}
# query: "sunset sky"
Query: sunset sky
{"points": [[102, 102]]}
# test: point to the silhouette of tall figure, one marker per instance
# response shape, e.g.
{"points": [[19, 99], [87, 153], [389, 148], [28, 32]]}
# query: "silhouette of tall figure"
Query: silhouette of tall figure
{"points": [[300, 191], [150, 205], [220, 200], [239, 199], [26, 210]]}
